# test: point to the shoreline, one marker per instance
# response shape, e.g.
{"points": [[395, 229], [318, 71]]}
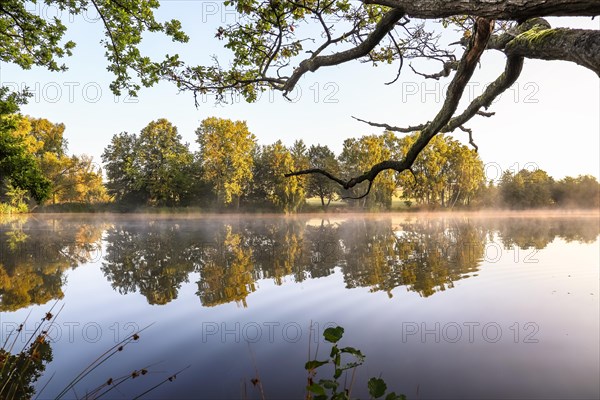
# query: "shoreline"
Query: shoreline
{"points": [[194, 214]]}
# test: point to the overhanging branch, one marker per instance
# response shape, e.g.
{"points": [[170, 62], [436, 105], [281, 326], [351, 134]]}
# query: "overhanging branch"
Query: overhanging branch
{"points": [[383, 27], [519, 10], [466, 67]]}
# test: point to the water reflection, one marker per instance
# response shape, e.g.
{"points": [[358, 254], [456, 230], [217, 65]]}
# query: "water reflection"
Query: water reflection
{"points": [[228, 256], [36, 253]]}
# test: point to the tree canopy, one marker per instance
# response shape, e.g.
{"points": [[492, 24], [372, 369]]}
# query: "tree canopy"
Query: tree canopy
{"points": [[274, 43]]}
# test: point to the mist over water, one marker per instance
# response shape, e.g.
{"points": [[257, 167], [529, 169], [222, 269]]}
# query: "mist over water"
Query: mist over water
{"points": [[473, 305]]}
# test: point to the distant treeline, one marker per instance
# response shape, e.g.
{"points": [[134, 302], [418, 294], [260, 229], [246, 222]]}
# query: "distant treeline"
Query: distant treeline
{"points": [[230, 171]]}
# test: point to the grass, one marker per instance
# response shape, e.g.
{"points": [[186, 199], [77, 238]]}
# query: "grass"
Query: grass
{"points": [[21, 369]]}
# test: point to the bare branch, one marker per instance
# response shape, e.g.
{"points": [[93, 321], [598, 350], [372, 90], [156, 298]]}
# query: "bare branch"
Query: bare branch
{"points": [[449, 66], [468, 62], [512, 70], [470, 132], [399, 56], [383, 27], [391, 128], [362, 196]]}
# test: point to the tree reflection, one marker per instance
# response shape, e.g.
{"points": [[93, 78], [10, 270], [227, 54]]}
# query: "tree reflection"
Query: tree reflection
{"points": [[35, 254], [226, 270], [230, 256], [538, 233], [426, 256], [152, 258]]}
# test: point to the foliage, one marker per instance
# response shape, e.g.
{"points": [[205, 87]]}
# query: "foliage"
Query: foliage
{"points": [[319, 390], [19, 372], [318, 185], [154, 168], [445, 173], [526, 189], [272, 162], [225, 156], [32, 40], [122, 172], [358, 155], [164, 163], [17, 163], [582, 191], [39, 149]]}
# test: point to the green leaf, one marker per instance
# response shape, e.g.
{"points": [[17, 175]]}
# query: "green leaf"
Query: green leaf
{"points": [[329, 384], [340, 396], [353, 351], [338, 373], [333, 335], [377, 387], [316, 389], [314, 364], [394, 396]]}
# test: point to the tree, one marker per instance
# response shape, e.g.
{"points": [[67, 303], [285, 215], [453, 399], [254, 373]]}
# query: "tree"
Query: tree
{"points": [[164, 163], [49, 135], [83, 183], [153, 168], [583, 191], [526, 189], [270, 51], [18, 166], [319, 186], [122, 171], [358, 155], [225, 155], [73, 178], [445, 173], [273, 161]]}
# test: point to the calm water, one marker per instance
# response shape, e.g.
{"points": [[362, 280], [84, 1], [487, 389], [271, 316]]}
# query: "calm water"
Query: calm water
{"points": [[461, 307]]}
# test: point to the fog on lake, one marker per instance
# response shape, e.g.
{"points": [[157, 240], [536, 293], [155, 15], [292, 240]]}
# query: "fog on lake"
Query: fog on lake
{"points": [[443, 306]]}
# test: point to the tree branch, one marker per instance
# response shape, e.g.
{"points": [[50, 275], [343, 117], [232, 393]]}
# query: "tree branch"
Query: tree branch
{"points": [[471, 141], [580, 46], [483, 29], [448, 67], [512, 70], [518, 10], [383, 27]]}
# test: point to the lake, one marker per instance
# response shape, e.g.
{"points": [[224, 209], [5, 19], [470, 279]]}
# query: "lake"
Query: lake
{"points": [[442, 305]]}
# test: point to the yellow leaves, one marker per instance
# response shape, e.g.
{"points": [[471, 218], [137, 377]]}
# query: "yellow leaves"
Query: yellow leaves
{"points": [[226, 156], [23, 131]]}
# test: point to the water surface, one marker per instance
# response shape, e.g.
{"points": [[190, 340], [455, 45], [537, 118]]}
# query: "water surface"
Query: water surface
{"points": [[459, 306]]}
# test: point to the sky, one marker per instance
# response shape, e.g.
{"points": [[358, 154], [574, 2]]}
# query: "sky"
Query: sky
{"points": [[549, 119]]}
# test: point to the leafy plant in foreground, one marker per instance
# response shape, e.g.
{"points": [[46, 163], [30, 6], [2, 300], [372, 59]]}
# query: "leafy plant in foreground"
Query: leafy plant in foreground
{"points": [[325, 389]]}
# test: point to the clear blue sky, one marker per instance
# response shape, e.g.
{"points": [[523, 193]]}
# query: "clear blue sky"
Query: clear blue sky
{"points": [[550, 118]]}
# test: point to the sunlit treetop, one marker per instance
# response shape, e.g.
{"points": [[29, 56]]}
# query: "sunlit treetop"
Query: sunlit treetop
{"points": [[274, 43], [28, 39]]}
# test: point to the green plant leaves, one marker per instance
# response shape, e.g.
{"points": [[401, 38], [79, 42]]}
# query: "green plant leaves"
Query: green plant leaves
{"points": [[327, 389], [316, 389], [314, 364], [333, 335], [377, 387]]}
